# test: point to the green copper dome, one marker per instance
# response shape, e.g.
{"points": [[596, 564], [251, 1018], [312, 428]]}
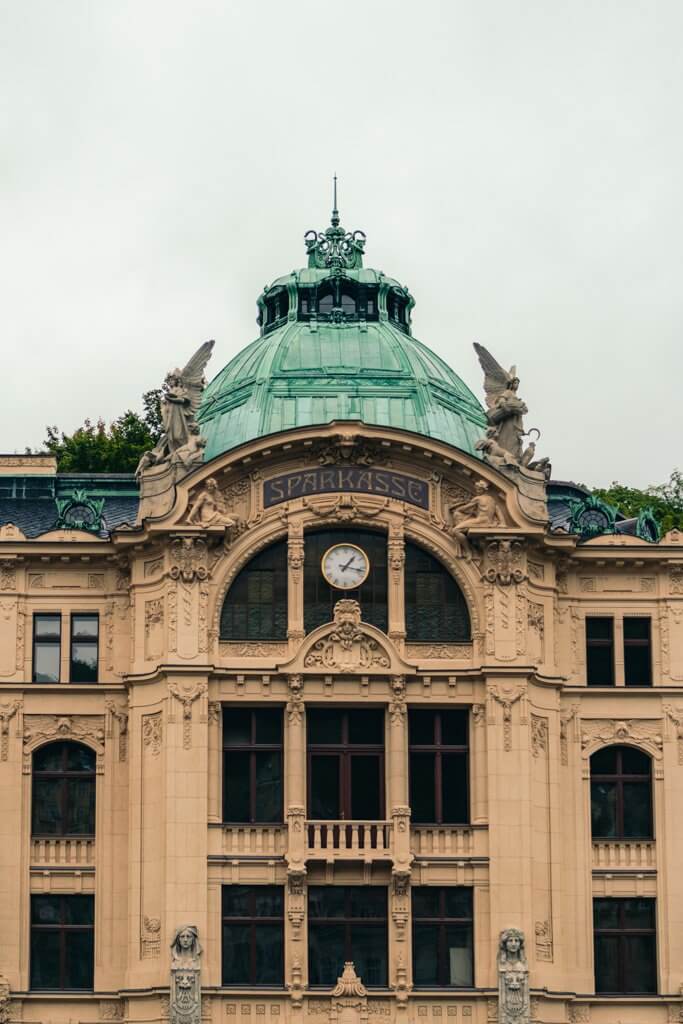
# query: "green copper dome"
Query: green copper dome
{"points": [[336, 344]]}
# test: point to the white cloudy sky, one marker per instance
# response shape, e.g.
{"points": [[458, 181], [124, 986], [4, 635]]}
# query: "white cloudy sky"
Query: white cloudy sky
{"points": [[517, 163]]}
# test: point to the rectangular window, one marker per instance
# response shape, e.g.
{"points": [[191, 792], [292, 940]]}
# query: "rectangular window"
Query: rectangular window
{"points": [[345, 764], [637, 652], [62, 942], [439, 783], [347, 922], [442, 936], [625, 946], [252, 765], [600, 651], [253, 935], [47, 648], [84, 648]]}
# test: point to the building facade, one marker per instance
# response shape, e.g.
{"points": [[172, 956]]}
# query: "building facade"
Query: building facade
{"points": [[342, 709]]}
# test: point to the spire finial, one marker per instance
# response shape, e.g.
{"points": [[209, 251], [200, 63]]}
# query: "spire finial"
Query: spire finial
{"points": [[335, 211]]}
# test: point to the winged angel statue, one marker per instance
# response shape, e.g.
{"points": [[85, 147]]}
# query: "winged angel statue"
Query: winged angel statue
{"points": [[180, 441], [503, 445]]}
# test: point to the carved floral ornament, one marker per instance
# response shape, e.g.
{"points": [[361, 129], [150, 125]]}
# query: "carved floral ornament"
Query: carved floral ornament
{"points": [[647, 734], [348, 645]]}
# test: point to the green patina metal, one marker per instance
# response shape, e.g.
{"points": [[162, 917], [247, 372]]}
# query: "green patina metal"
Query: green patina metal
{"points": [[336, 344], [591, 517], [647, 526], [80, 511]]}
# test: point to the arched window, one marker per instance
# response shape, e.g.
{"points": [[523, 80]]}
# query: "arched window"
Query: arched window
{"points": [[348, 301], [435, 607], [255, 607], [621, 794], [325, 299], [63, 790], [320, 597]]}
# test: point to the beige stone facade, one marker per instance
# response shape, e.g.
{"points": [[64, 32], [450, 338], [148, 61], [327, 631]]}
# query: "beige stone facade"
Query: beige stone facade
{"points": [[161, 851]]}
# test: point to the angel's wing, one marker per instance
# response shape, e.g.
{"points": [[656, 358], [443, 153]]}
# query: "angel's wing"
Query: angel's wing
{"points": [[193, 373], [496, 379]]}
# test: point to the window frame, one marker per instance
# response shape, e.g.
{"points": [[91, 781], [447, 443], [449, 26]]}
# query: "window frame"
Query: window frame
{"points": [[623, 933], [618, 779], [638, 643], [252, 922], [348, 923], [49, 642], [62, 928], [441, 922], [252, 748], [64, 775], [345, 751], [436, 569], [279, 602], [439, 750], [92, 616], [593, 643]]}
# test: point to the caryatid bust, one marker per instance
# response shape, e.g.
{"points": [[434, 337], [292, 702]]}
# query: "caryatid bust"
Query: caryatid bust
{"points": [[513, 978], [186, 948]]}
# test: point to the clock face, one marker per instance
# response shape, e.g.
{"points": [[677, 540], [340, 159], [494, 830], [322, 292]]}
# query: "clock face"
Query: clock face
{"points": [[345, 566]]}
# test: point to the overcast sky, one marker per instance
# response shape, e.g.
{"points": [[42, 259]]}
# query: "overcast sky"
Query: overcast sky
{"points": [[519, 165]]}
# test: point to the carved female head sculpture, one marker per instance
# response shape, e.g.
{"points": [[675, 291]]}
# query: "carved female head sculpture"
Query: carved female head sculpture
{"points": [[511, 947], [186, 945]]}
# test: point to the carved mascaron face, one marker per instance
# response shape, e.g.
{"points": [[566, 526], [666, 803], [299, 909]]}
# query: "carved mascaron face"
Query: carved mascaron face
{"points": [[186, 939]]}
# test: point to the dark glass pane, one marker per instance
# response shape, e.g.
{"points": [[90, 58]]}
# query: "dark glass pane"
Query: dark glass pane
{"points": [[369, 949], [606, 963], [323, 726], [236, 901], [83, 663], [84, 627], [46, 910], [47, 807], [79, 910], [365, 787], [606, 913], [459, 955], [454, 788], [324, 787], [236, 954], [269, 786], [79, 758], [366, 901], [422, 793], [454, 728], [47, 627], [599, 628], [268, 901], [45, 959], [320, 598], [366, 727], [637, 666], [458, 902], [421, 727], [434, 604], [236, 726], [426, 954], [326, 901], [637, 810], [49, 758], [79, 959], [326, 953], [255, 607], [604, 762], [640, 963], [426, 902], [236, 787], [603, 810], [599, 666], [46, 663], [269, 954], [80, 807], [268, 725], [634, 762], [636, 629], [638, 913]]}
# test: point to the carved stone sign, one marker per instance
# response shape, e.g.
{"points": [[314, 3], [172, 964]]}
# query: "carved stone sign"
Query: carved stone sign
{"points": [[360, 479]]}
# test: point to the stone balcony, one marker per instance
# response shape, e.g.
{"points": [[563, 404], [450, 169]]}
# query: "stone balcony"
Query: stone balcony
{"points": [[349, 840], [624, 855], [450, 842], [63, 852]]}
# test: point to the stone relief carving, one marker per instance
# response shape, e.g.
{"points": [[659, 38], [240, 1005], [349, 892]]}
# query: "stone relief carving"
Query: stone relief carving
{"points": [[565, 721], [112, 1009], [296, 985], [506, 698], [349, 1003], [579, 1014], [150, 938], [186, 994], [397, 706], [477, 512], [73, 727], [154, 628], [676, 579], [214, 712], [535, 618], [210, 508], [544, 940], [253, 649], [346, 508], [8, 574], [351, 449], [348, 646], [439, 651], [5, 1000], [295, 550], [153, 733], [504, 562], [120, 716], [536, 570], [7, 713], [189, 559], [295, 704], [597, 732], [513, 979], [539, 735], [187, 698]]}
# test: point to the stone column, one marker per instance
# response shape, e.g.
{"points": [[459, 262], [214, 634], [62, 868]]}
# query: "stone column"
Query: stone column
{"points": [[295, 579], [396, 557], [295, 790], [400, 825]]}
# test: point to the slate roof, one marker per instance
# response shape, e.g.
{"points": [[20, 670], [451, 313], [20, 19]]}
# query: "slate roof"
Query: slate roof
{"points": [[33, 508]]}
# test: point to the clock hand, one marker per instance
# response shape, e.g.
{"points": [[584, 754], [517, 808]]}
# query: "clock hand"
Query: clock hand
{"points": [[345, 567]]}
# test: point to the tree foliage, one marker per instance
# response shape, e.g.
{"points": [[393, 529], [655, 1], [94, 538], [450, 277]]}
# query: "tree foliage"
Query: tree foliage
{"points": [[665, 500], [116, 448]]}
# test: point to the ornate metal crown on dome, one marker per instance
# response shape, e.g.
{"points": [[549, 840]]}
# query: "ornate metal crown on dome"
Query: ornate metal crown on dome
{"points": [[335, 247]]}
